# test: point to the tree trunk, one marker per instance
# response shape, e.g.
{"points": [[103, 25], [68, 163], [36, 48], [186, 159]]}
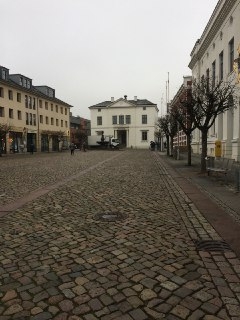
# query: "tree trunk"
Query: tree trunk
{"points": [[167, 137], [204, 150], [189, 149]]}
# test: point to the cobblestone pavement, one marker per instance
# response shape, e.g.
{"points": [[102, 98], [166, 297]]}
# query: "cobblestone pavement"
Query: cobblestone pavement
{"points": [[107, 235]]}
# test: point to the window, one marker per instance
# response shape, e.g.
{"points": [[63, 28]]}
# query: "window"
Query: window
{"points": [[51, 107], [66, 111], [66, 124], [57, 122], [46, 105], [46, 119], [114, 119], [41, 118], [30, 118], [1, 112], [144, 135], [213, 73], [30, 102], [21, 81], [19, 115], [27, 118], [4, 74], [34, 120], [61, 123], [10, 95], [25, 83], [34, 103], [231, 54], [52, 121], [28, 84], [56, 108], [207, 78], [26, 101], [40, 103], [128, 119], [1, 92], [11, 113], [144, 119], [18, 97], [61, 110], [99, 121], [121, 119], [99, 110], [144, 108], [221, 66]]}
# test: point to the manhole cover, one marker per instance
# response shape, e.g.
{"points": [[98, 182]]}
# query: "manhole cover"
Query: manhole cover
{"points": [[212, 245], [111, 216]]}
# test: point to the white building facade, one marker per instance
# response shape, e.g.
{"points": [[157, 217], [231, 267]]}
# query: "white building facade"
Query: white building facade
{"points": [[216, 55], [133, 122]]}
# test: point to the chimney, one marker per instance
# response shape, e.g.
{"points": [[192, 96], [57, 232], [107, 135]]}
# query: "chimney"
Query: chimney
{"points": [[125, 97], [112, 99], [135, 98]]}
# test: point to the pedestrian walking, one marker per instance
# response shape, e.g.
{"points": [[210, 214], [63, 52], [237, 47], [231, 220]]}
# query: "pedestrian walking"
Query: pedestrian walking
{"points": [[72, 148]]}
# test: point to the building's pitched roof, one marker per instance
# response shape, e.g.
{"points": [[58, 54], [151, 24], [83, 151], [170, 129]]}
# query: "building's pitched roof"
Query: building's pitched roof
{"points": [[138, 102]]}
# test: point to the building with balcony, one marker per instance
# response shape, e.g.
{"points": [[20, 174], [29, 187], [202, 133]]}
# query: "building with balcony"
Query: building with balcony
{"points": [[31, 115], [216, 55], [133, 122]]}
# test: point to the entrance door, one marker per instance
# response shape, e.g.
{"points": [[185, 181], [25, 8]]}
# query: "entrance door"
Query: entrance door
{"points": [[122, 136]]}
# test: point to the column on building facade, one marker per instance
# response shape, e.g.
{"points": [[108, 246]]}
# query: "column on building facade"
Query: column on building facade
{"points": [[227, 134]]}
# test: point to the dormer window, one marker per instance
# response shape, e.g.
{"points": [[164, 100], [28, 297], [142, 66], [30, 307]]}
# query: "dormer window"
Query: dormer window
{"points": [[4, 74], [21, 81]]}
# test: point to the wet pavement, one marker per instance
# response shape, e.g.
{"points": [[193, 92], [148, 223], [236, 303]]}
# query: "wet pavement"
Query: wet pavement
{"points": [[114, 235]]}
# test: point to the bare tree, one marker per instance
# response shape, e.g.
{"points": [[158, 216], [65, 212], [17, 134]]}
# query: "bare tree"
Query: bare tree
{"points": [[207, 101], [4, 129], [168, 125], [183, 112]]}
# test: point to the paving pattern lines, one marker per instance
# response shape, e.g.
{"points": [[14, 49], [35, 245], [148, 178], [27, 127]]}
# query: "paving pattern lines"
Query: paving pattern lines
{"points": [[63, 262], [24, 174]]}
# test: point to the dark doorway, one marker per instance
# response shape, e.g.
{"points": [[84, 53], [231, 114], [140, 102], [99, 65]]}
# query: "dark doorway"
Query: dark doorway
{"points": [[122, 136]]}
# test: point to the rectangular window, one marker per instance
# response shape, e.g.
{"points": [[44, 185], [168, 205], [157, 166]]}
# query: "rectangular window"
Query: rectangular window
{"points": [[61, 110], [1, 92], [40, 103], [41, 118], [231, 54], [99, 110], [114, 119], [1, 112], [52, 121], [18, 97], [27, 118], [221, 66], [66, 124], [144, 108], [66, 111], [30, 119], [56, 108], [51, 107], [19, 115], [26, 101], [46, 105], [213, 73], [10, 95], [30, 102], [144, 119], [21, 81], [61, 123], [57, 122], [46, 119], [34, 120], [144, 135], [121, 119], [11, 113], [128, 119], [99, 121], [34, 103]]}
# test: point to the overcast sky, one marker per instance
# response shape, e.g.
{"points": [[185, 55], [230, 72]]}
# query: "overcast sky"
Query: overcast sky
{"points": [[92, 50]]}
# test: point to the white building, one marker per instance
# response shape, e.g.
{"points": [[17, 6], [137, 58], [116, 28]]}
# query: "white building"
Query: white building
{"points": [[213, 56], [133, 122]]}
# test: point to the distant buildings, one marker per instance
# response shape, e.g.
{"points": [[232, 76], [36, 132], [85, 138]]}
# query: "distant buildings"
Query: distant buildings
{"points": [[133, 122], [31, 115], [80, 128]]}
